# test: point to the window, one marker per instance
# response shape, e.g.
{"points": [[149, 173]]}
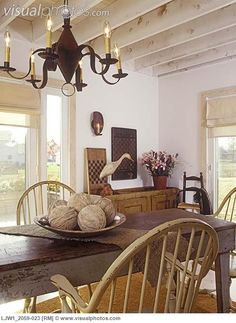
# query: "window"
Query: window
{"points": [[17, 164], [219, 126], [19, 116], [54, 131], [12, 170], [225, 167]]}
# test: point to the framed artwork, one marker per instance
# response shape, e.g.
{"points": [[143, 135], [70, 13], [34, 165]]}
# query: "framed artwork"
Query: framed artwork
{"points": [[124, 140]]}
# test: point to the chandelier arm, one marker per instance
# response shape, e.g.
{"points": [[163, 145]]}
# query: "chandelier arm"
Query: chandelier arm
{"points": [[93, 57], [29, 70], [38, 50], [45, 78], [21, 77], [104, 69], [108, 82]]}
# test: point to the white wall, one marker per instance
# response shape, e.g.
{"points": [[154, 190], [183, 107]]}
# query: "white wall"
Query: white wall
{"points": [[179, 112], [133, 103]]}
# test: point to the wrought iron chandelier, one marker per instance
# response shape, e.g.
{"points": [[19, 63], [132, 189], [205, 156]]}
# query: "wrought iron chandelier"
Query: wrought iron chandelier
{"points": [[67, 55]]}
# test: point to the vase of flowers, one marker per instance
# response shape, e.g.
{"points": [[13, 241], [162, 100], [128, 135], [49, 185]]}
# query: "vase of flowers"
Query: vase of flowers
{"points": [[160, 165]]}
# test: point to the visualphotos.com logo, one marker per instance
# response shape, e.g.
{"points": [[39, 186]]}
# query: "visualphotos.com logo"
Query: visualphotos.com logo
{"points": [[42, 11]]}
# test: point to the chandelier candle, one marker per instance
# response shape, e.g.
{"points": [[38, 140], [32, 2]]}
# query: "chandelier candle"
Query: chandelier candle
{"points": [[33, 72], [7, 38], [107, 36], [49, 32], [81, 71], [117, 55]]}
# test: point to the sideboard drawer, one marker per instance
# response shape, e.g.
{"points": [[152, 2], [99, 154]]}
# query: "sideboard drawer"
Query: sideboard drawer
{"points": [[163, 201], [134, 205]]}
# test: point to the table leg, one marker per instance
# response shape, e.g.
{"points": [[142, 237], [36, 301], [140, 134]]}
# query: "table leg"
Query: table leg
{"points": [[222, 282]]}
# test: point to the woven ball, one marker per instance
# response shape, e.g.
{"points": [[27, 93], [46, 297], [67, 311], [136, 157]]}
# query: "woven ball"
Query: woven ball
{"points": [[63, 217], [55, 204], [94, 199], [91, 217], [79, 201], [107, 206]]}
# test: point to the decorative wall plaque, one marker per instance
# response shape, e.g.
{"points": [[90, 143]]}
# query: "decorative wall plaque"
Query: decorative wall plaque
{"points": [[95, 159], [124, 140]]}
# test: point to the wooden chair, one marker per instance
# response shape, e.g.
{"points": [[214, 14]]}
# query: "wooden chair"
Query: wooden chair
{"points": [[203, 206], [227, 212], [195, 205], [176, 263], [36, 201]]}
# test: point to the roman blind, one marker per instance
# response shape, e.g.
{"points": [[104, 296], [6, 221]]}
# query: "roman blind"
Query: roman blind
{"points": [[221, 116], [20, 105]]}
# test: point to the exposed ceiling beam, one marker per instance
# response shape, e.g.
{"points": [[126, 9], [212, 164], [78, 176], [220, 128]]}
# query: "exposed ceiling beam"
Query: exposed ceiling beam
{"points": [[168, 16], [223, 37], [120, 12], [79, 6], [193, 61], [205, 25], [6, 14]]}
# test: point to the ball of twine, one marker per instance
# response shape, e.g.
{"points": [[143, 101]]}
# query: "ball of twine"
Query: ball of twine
{"points": [[55, 204], [107, 206], [79, 201], [91, 217], [63, 217]]}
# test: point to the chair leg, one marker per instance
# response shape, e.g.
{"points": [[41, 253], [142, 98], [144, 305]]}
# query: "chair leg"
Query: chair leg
{"points": [[172, 295], [30, 305], [65, 308], [26, 305], [90, 291]]}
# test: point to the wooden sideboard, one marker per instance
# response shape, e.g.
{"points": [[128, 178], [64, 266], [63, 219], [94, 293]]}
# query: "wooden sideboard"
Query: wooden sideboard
{"points": [[143, 199]]}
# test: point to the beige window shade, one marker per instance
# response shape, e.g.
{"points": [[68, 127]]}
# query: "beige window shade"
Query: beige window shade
{"points": [[19, 96], [229, 131], [20, 105], [221, 112], [18, 119]]}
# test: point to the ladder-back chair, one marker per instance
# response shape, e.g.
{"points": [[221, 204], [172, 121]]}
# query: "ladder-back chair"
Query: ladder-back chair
{"points": [[195, 204], [175, 263]]}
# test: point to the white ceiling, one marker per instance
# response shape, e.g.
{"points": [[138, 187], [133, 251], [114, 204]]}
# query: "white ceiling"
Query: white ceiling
{"points": [[162, 35]]}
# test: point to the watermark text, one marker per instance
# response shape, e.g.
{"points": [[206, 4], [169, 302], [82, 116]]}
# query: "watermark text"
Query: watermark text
{"points": [[42, 11]]}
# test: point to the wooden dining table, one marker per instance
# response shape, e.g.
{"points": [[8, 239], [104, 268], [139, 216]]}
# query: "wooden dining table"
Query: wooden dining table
{"points": [[27, 263]]}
